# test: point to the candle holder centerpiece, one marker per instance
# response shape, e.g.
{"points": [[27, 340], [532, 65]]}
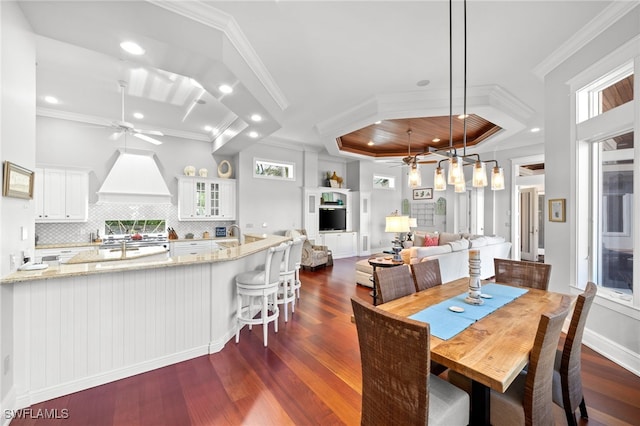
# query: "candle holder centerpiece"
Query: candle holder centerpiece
{"points": [[475, 286]]}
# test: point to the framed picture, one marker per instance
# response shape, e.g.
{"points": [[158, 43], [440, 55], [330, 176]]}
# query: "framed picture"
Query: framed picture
{"points": [[423, 193], [17, 182], [557, 210]]}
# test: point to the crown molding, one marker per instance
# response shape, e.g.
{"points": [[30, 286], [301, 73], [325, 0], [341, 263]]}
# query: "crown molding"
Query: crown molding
{"points": [[208, 15], [588, 33], [99, 121]]}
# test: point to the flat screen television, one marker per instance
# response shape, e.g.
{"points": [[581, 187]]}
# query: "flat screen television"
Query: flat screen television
{"points": [[333, 219]]}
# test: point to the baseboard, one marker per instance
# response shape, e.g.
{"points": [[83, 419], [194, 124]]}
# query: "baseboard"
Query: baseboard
{"points": [[7, 406], [218, 345], [45, 394], [613, 351]]}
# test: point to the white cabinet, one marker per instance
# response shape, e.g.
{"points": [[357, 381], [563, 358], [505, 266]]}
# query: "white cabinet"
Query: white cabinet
{"points": [[206, 199], [63, 253], [180, 248], [341, 244], [61, 195]]}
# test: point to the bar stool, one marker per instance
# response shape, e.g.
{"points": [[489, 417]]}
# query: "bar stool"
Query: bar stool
{"points": [[257, 292], [296, 255], [286, 294]]}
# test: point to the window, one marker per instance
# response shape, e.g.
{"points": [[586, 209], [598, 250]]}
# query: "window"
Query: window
{"points": [[606, 156], [273, 169], [383, 182]]}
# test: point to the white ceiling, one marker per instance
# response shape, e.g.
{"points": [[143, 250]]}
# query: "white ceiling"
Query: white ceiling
{"points": [[310, 69]]}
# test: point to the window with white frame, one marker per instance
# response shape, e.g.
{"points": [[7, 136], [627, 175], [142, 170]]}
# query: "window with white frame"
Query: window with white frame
{"points": [[384, 182], [606, 156]]}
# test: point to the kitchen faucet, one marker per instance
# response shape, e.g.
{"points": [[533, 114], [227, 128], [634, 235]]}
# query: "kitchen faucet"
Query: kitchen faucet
{"points": [[239, 232]]}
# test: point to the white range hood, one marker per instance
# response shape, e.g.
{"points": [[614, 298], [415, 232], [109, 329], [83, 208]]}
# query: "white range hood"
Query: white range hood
{"points": [[134, 179]]}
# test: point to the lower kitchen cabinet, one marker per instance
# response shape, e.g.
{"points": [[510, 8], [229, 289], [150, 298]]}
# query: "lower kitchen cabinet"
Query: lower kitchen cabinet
{"points": [[181, 248], [63, 254]]}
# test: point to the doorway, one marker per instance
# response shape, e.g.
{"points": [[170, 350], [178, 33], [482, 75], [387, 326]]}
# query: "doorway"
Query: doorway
{"points": [[528, 209]]}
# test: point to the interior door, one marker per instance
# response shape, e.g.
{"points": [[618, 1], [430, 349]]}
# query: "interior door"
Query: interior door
{"points": [[529, 230]]}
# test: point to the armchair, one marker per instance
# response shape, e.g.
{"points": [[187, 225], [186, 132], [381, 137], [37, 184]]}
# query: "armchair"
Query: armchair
{"points": [[313, 256]]}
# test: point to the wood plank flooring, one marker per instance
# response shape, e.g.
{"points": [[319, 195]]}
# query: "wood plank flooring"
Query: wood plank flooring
{"points": [[309, 374]]}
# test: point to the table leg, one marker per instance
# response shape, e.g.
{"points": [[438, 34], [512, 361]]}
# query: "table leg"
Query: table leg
{"points": [[480, 404]]}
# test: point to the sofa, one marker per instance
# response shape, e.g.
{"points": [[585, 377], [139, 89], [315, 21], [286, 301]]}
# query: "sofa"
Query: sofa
{"points": [[313, 256], [452, 251]]}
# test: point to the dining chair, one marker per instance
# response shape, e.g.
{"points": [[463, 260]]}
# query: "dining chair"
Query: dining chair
{"points": [[522, 273], [567, 382], [392, 283], [257, 293], [426, 274], [528, 399], [397, 387]]}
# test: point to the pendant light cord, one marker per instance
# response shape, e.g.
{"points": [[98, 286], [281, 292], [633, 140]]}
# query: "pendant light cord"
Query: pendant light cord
{"points": [[464, 109], [450, 76]]}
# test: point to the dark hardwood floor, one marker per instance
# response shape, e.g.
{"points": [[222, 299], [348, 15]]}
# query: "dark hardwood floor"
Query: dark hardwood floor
{"points": [[309, 374]]}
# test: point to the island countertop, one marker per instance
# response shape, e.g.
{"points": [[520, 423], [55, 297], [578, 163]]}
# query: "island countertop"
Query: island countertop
{"points": [[257, 243]]}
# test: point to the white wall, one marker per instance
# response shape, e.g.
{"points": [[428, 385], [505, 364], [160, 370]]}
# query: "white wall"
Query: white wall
{"points": [[17, 144], [609, 330]]}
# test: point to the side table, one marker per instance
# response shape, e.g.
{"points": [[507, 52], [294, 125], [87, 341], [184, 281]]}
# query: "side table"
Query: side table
{"points": [[380, 260]]}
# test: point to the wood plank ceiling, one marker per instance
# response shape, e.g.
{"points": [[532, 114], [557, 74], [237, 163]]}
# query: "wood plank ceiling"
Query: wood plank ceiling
{"points": [[390, 138]]}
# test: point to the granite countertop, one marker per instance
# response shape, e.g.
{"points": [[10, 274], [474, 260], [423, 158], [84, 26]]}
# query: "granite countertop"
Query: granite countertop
{"points": [[258, 243], [88, 244], [115, 254]]}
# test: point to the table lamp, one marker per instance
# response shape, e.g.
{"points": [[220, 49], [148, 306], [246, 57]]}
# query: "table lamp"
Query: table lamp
{"points": [[397, 224]]}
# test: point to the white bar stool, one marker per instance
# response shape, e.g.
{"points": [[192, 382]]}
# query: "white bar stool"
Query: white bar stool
{"points": [[257, 292], [289, 276], [296, 255]]}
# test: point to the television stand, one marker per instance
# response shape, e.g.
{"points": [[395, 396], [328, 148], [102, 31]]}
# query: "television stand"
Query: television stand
{"points": [[341, 243]]}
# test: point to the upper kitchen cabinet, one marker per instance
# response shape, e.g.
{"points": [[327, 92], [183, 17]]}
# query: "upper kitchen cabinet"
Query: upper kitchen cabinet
{"points": [[61, 195], [206, 199]]}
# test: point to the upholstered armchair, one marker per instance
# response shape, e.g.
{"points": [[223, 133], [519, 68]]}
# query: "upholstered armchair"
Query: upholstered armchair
{"points": [[313, 256]]}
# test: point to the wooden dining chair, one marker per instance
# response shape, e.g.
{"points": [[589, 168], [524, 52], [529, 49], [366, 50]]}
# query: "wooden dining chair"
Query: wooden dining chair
{"points": [[392, 283], [528, 399], [397, 387], [426, 274], [567, 382], [522, 273]]}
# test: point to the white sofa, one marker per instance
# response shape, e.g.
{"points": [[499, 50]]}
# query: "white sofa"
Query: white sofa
{"points": [[453, 254]]}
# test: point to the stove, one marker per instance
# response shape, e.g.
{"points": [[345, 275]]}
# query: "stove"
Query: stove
{"points": [[148, 240]]}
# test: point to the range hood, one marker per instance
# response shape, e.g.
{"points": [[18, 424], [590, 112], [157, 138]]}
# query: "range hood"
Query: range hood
{"points": [[134, 179]]}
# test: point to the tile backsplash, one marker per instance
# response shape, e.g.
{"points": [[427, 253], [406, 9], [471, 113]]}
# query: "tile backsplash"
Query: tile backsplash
{"points": [[57, 233]]}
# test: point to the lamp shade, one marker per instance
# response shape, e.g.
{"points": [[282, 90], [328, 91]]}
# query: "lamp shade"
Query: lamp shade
{"points": [[497, 179], [415, 179], [479, 175], [439, 181], [397, 224], [413, 222]]}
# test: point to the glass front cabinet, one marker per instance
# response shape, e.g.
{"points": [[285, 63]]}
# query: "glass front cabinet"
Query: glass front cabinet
{"points": [[206, 199]]}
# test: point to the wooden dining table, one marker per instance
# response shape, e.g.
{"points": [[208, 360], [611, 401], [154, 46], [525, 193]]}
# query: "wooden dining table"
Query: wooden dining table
{"points": [[493, 350]]}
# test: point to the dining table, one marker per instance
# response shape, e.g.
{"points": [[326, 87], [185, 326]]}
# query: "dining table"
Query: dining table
{"points": [[492, 350]]}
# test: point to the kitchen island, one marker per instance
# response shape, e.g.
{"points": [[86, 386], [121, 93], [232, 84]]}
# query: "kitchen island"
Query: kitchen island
{"points": [[83, 324]]}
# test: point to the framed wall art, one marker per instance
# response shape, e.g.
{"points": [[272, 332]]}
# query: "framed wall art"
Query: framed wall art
{"points": [[17, 181], [557, 210], [423, 193]]}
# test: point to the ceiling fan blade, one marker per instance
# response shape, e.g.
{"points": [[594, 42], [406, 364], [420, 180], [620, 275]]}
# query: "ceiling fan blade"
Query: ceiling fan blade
{"points": [[149, 132], [147, 138]]}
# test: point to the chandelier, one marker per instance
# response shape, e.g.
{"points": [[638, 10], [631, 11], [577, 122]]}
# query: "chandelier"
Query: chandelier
{"points": [[457, 162]]}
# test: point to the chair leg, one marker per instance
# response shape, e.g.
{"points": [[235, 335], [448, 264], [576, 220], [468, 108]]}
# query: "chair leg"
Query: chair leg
{"points": [[571, 417], [265, 314], [583, 409], [238, 326]]}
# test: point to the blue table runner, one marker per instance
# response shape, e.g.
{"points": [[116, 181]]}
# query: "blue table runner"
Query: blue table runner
{"points": [[445, 324]]}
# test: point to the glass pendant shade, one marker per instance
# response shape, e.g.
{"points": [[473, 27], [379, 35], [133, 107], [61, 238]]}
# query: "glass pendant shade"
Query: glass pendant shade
{"points": [[460, 186], [497, 179], [415, 179], [455, 171], [479, 175], [439, 182]]}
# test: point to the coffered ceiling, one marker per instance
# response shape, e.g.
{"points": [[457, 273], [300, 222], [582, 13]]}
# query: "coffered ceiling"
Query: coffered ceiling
{"points": [[319, 74]]}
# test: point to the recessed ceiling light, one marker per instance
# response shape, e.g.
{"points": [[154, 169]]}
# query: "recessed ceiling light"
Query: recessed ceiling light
{"points": [[256, 117], [436, 140], [138, 115], [371, 143], [50, 99], [131, 47], [225, 88], [378, 122], [535, 129], [253, 134], [423, 83], [208, 128]]}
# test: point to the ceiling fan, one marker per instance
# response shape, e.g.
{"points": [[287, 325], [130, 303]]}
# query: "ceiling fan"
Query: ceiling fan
{"points": [[122, 127], [412, 160]]}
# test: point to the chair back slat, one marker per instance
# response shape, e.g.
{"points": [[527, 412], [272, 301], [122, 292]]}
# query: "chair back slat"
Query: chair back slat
{"points": [[538, 387], [426, 274], [393, 283], [395, 355], [522, 273], [570, 366]]}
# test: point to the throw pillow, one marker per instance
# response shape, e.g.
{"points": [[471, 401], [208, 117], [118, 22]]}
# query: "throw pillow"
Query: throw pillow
{"points": [[447, 237], [431, 240]]}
